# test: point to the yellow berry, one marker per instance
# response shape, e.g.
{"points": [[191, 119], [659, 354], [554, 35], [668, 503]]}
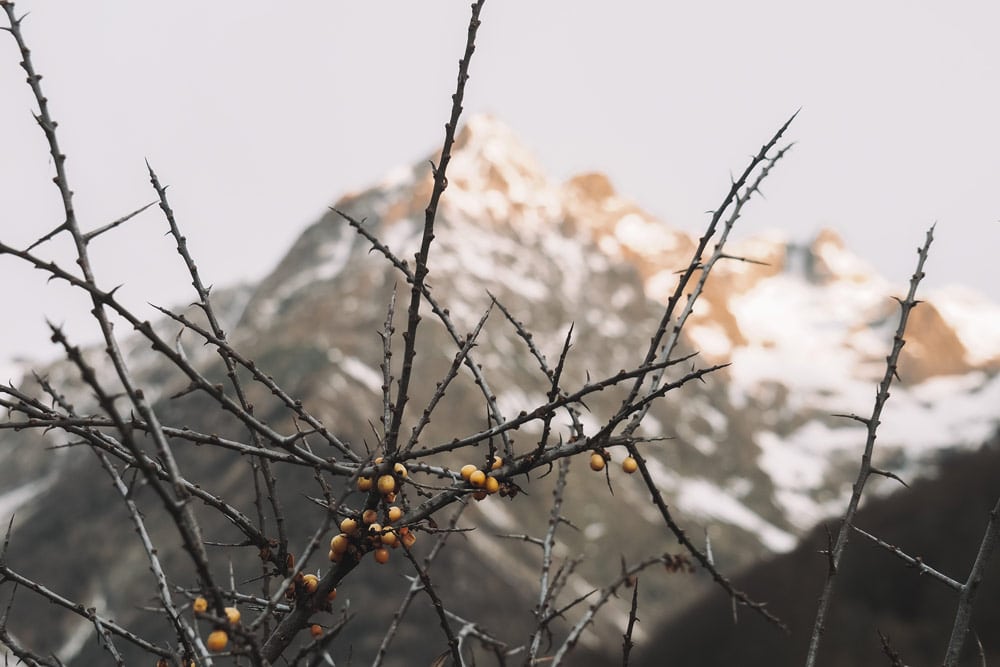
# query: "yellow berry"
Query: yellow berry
{"points": [[310, 582], [497, 463], [630, 465], [400, 470], [200, 605], [395, 513], [364, 483], [386, 484], [334, 556], [409, 539], [348, 526], [378, 461], [467, 471], [477, 478], [492, 485], [316, 630], [596, 462], [389, 538], [233, 614], [369, 516], [339, 543], [382, 555], [217, 640]]}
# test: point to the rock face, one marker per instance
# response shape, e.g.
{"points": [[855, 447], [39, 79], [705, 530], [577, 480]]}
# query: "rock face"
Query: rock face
{"points": [[753, 456]]}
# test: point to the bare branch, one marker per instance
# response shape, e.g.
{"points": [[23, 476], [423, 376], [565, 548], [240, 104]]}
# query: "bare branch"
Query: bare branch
{"points": [[915, 563], [963, 615], [421, 269], [864, 471]]}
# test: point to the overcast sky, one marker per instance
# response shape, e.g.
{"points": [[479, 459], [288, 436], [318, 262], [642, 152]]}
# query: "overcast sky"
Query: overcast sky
{"points": [[261, 114]]}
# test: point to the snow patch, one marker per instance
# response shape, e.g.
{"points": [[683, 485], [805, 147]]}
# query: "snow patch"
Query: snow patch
{"points": [[706, 500], [399, 176], [710, 339], [644, 235], [11, 501], [363, 373]]}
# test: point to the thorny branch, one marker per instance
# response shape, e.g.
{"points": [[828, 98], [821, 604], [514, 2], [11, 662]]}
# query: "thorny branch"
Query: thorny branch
{"points": [[871, 424], [128, 416]]}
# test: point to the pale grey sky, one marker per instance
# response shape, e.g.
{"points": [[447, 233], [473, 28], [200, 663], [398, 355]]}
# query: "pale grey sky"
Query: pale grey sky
{"points": [[260, 114]]}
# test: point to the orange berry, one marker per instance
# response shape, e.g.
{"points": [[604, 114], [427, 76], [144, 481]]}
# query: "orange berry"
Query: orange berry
{"points": [[316, 630], [596, 462], [348, 526], [369, 516], [382, 555], [331, 595], [334, 556], [390, 497], [492, 485], [400, 470], [480, 494], [375, 530], [467, 471], [409, 539], [200, 605], [478, 478], [497, 463], [233, 614], [364, 483], [395, 513], [339, 543], [630, 465], [386, 484], [310, 582], [217, 640], [389, 538]]}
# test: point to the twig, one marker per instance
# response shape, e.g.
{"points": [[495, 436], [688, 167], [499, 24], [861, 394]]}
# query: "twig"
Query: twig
{"points": [[545, 593], [889, 651], [627, 638], [428, 588], [864, 471], [963, 615], [420, 270], [416, 586], [185, 634], [605, 594], [915, 563]]}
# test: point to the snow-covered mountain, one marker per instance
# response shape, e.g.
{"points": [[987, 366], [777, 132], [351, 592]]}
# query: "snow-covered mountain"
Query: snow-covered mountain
{"points": [[754, 455], [807, 331]]}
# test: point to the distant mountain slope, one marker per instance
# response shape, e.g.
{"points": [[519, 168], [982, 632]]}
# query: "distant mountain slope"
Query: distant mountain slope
{"points": [[941, 520]]}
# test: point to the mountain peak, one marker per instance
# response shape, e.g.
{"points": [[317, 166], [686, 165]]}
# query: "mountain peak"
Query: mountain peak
{"points": [[494, 177], [485, 147]]}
